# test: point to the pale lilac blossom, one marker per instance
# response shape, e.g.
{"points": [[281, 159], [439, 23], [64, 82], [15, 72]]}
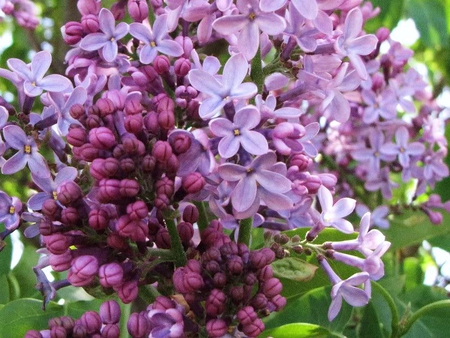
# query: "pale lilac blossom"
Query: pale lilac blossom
{"points": [[62, 103], [9, 211]]}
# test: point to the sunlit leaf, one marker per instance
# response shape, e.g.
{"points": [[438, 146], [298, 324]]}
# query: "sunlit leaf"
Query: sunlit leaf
{"points": [[299, 330], [294, 268]]}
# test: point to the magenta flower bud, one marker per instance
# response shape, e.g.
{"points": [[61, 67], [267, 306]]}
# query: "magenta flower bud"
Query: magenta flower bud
{"points": [[279, 302], [269, 254], [109, 189], [33, 334], [132, 146], [105, 106], [77, 111], [166, 119], [57, 243], [180, 143], [257, 259], [136, 230], [212, 267], [110, 312], [98, 219], [61, 262], [68, 192], [190, 214], [118, 151], [272, 287], [178, 279], [220, 280], [116, 241], [58, 332], [193, 183], [67, 322], [328, 180], [129, 187], [127, 165], [301, 161], [246, 315], [164, 102], [84, 268], [138, 10], [193, 265], [133, 107], [212, 254], [161, 201], [134, 123], [235, 265], [216, 328], [382, 34], [79, 331], [73, 32], [237, 293], [229, 249], [259, 301], [86, 152], [110, 275], [77, 136], [172, 165], [90, 23], [215, 303], [435, 216], [128, 291], [250, 278], [51, 209], [89, 7], [46, 228], [93, 121], [102, 138], [69, 216], [187, 44], [162, 151], [313, 183], [161, 64], [138, 325], [151, 122], [265, 273], [53, 322], [254, 329], [186, 231], [163, 303], [111, 331], [97, 169], [182, 67], [91, 321], [137, 210], [164, 186], [118, 10]]}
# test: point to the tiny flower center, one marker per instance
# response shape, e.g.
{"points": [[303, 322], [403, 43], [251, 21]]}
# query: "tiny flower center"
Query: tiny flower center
{"points": [[27, 149], [33, 84], [376, 154], [112, 39], [252, 16], [226, 98], [402, 150], [153, 43], [55, 196], [236, 132], [12, 210], [327, 218], [249, 170]]}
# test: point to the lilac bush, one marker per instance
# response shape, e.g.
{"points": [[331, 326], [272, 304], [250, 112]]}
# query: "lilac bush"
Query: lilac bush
{"points": [[156, 169]]}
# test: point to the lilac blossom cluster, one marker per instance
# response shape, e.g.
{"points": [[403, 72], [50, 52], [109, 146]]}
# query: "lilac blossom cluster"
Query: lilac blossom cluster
{"points": [[24, 12], [145, 131]]}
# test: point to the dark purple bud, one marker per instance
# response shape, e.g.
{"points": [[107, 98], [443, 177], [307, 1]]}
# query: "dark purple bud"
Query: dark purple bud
{"points": [[91, 321], [172, 165], [182, 67], [229, 249], [279, 302], [162, 151], [111, 331], [46, 228], [215, 303], [165, 186], [161, 64], [151, 122], [216, 328], [116, 241], [193, 183], [138, 325], [68, 192], [212, 267], [162, 239], [265, 273], [137, 210], [84, 268], [98, 219], [163, 303], [237, 293], [250, 278], [93, 121], [127, 227], [247, 315], [58, 332], [78, 112], [220, 280], [110, 275], [161, 202], [77, 136], [180, 143], [269, 255], [193, 281], [109, 190], [138, 10], [212, 254], [164, 102], [166, 119], [79, 331], [186, 43], [133, 107], [110, 312], [253, 329], [61, 262], [53, 322], [235, 265], [118, 10], [272, 287], [127, 165], [134, 123], [67, 322], [57, 243], [193, 265], [33, 334], [128, 291], [132, 146], [313, 183], [73, 32], [70, 216], [328, 180], [301, 161], [190, 214], [119, 151], [86, 152], [51, 209], [259, 301], [90, 23], [129, 187], [102, 138]]}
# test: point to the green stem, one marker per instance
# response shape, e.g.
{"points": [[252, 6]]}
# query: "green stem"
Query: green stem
{"points": [[256, 73], [245, 231], [442, 304], [164, 254], [202, 216], [126, 311], [392, 306], [175, 242]]}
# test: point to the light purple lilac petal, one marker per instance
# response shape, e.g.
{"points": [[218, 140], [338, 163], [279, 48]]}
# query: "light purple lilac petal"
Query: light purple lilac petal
{"points": [[54, 83], [254, 142], [221, 127], [228, 25], [228, 146], [234, 71], [31, 89], [247, 117], [40, 64], [109, 51], [244, 91], [15, 137], [37, 164], [107, 22], [248, 40], [121, 30], [232, 172], [93, 41], [244, 193], [273, 181], [271, 5], [141, 32], [275, 201], [343, 207], [307, 8], [15, 163], [20, 67], [170, 48], [363, 45], [147, 54], [270, 23], [353, 23], [205, 82], [210, 107], [36, 201]]}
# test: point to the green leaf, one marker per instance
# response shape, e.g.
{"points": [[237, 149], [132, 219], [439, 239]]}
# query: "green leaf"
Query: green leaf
{"points": [[413, 227], [23, 271], [294, 268], [326, 235], [4, 287], [5, 257], [299, 330], [369, 325], [22, 315], [390, 14], [311, 307], [76, 309]]}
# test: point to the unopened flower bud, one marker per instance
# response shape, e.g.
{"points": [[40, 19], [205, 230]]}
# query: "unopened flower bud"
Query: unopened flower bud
{"points": [[73, 32], [216, 328], [246, 315], [77, 136], [102, 138], [165, 186], [69, 216], [86, 152], [180, 143], [193, 183], [129, 187], [162, 151], [111, 331], [253, 329], [163, 303], [161, 201], [151, 122], [110, 312], [137, 210], [237, 293], [259, 301], [89, 7], [33, 334], [98, 219], [57, 243], [68, 192], [166, 119], [134, 123], [133, 107], [215, 303], [186, 231], [162, 239], [138, 10], [90, 23], [279, 302], [187, 44], [164, 102], [182, 67], [61, 262], [219, 280], [138, 325], [110, 275], [91, 321], [84, 268], [272, 287], [161, 64], [190, 214], [58, 332], [109, 190], [128, 291], [235, 265], [105, 106]]}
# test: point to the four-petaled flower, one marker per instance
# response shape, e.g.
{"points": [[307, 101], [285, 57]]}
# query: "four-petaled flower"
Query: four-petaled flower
{"points": [[9, 211]]}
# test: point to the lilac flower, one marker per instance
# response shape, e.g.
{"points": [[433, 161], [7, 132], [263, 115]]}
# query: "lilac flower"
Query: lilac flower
{"points": [[238, 133], [348, 289], [257, 181], [382, 182], [228, 88], [27, 153], [383, 105], [249, 22], [156, 40], [34, 82], [352, 46], [106, 41], [268, 109], [9, 211], [165, 323], [49, 186], [333, 213], [63, 105], [378, 217], [401, 148]]}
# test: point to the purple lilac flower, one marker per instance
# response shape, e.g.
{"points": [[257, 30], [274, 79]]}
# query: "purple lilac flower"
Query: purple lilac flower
{"points": [[9, 211], [401, 148], [228, 88], [238, 133], [27, 153], [383, 105], [156, 40], [34, 82], [378, 216], [166, 323], [49, 186], [257, 181], [268, 109], [381, 182], [249, 22], [351, 45], [63, 105], [106, 41], [333, 213]]}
